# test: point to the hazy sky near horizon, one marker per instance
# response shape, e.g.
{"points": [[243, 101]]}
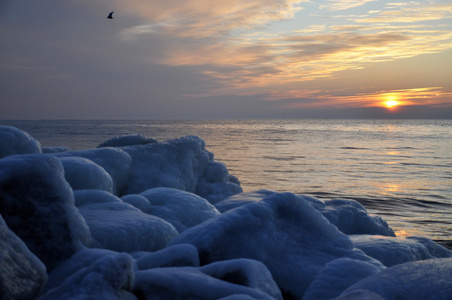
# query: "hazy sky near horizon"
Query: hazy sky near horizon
{"points": [[225, 59]]}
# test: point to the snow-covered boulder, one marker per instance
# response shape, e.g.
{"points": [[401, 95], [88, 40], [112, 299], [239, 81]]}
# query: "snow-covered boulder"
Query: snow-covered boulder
{"points": [[392, 251], [38, 205], [138, 201], [16, 141], [182, 255], [182, 164], [121, 227], [82, 173], [113, 160], [214, 281], [182, 209], [352, 218], [283, 231], [22, 274], [237, 200], [88, 197], [80, 260], [336, 276], [127, 140], [110, 277], [427, 279]]}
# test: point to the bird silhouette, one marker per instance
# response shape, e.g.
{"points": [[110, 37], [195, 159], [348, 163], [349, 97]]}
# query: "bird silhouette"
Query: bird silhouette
{"points": [[110, 15]]}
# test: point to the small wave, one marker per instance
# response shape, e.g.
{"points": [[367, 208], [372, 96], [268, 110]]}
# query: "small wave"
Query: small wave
{"points": [[353, 148]]}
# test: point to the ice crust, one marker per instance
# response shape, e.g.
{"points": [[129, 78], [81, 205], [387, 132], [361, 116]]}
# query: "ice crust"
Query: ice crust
{"points": [[15, 141], [283, 231], [37, 204], [166, 221], [182, 209], [22, 274]]}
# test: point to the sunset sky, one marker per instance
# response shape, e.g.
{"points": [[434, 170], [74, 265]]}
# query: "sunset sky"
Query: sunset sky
{"points": [[225, 59]]}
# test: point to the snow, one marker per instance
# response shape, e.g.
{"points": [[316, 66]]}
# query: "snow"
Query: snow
{"points": [[182, 209], [113, 160], [283, 231], [82, 173], [15, 141], [174, 256], [182, 164], [427, 279], [109, 277], [22, 274], [214, 281], [352, 218], [119, 226], [38, 205], [392, 251], [138, 201], [140, 219]]}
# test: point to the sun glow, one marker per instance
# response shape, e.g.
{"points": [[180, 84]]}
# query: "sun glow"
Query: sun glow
{"points": [[391, 101]]}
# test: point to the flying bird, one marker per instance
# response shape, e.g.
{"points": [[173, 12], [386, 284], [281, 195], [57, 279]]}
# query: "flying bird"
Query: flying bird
{"points": [[110, 15]]}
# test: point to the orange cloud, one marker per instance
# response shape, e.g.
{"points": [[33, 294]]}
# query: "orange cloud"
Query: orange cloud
{"points": [[432, 96], [224, 41]]}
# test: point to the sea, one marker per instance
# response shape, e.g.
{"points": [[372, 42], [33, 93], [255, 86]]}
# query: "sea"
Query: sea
{"points": [[400, 170]]}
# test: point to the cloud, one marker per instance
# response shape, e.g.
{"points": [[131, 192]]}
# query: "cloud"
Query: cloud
{"points": [[409, 13], [343, 4], [205, 18]]}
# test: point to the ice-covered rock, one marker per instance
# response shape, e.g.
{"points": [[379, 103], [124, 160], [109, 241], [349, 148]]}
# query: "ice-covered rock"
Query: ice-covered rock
{"points": [[214, 281], [337, 276], [80, 260], [22, 274], [38, 205], [427, 279], [140, 202], [182, 164], [121, 227], [109, 277], [283, 231], [88, 197], [82, 173], [113, 160], [392, 251], [237, 200], [16, 141], [352, 218], [182, 209], [127, 140], [182, 255]]}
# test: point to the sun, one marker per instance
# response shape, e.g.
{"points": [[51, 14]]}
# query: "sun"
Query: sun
{"points": [[391, 102]]}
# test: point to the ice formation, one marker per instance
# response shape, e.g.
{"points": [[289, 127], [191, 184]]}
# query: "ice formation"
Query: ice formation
{"points": [[119, 226], [140, 219], [282, 231], [22, 274], [38, 205], [15, 141], [182, 209], [82, 174], [427, 279]]}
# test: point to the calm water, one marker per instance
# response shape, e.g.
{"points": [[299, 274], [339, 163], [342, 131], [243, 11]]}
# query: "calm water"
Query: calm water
{"points": [[400, 170]]}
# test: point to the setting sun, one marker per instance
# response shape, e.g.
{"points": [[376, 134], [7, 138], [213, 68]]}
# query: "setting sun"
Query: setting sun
{"points": [[391, 103]]}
